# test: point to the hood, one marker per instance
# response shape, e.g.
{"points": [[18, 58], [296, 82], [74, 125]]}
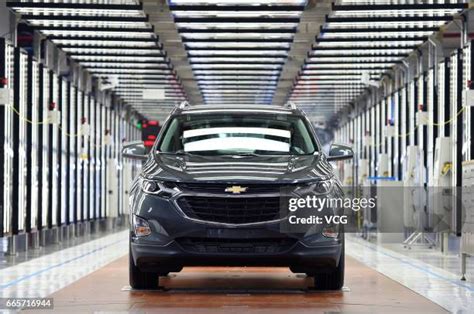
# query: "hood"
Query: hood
{"points": [[235, 169]]}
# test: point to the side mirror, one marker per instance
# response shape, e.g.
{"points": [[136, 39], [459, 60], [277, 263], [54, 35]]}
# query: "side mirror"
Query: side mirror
{"points": [[134, 150], [340, 152]]}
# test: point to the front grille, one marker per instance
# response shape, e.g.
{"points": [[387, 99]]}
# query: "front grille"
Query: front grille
{"points": [[232, 210], [219, 188], [251, 246]]}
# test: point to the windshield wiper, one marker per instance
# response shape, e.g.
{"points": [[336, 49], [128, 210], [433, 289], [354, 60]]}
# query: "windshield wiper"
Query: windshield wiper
{"points": [[246, 155], [235, 155], [261, 155], [178, 153]]}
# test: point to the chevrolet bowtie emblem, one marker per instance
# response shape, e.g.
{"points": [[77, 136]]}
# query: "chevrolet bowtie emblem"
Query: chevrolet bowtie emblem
{"points": [[236, 189]]}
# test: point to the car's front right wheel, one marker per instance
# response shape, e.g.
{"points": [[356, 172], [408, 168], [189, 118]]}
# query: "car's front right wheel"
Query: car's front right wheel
{"points": [[141, 280]]}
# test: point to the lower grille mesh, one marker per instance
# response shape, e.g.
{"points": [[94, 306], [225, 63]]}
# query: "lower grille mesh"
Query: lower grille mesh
{"points": [[254, 246]]}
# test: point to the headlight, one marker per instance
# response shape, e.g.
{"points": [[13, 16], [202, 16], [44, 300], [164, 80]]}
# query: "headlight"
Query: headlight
{"points": [[159, 188], [316, 188], [151, 186], [322, 187], [141, 227]]}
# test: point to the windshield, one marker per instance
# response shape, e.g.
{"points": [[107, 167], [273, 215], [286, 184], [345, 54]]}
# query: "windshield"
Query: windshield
{"points": [[238, 134]]}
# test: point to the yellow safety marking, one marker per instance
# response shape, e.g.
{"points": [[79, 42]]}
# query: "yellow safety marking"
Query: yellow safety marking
{"points": [[446, 168]]}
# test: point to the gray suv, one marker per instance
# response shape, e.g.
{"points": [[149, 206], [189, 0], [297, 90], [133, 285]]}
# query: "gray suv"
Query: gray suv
{"points": [[210, 194]]}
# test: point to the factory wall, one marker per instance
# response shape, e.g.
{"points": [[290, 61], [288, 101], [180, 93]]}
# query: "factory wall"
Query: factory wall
{"points": [[62, 170], [416, 128]]}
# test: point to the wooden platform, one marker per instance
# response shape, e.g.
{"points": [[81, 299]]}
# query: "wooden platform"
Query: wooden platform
{"points": [[239, 290]]}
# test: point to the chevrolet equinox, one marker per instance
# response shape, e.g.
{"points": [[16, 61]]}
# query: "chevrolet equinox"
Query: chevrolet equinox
{"points": [[209, 194]]}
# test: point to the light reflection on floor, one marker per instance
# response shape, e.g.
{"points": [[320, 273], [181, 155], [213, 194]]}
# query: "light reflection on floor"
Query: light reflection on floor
{"points": [[40, 277], [440, 286]]}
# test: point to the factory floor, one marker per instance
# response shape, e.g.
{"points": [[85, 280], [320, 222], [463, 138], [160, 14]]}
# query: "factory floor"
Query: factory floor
{"points": [[93, 277], [249, 290]]}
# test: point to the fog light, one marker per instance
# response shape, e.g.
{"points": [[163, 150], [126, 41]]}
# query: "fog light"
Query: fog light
{"points": [[141, 227], [331, 231]]}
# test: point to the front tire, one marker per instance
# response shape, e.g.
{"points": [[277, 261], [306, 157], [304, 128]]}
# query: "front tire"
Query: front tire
{"points": [[141, 280], [333, 280]]}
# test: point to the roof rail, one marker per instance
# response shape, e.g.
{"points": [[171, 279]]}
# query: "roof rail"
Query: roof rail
{"points": [[183, 105], [290, 105]]}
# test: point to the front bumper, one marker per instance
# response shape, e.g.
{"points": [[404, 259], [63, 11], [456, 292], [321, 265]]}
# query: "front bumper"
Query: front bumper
{"points": [[172, 257], [163, 251]]}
